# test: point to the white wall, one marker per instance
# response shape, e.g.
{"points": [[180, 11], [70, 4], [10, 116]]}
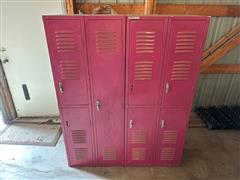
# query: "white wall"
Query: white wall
{"points": [[22, 34]]}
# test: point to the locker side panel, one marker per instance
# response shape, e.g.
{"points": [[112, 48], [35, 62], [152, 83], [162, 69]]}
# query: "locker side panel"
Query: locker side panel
{"points": [[65, 39], [185, 46], [106, 53]]}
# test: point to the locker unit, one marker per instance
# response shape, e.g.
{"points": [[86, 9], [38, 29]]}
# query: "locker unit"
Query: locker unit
{"points": [[125, 85]]}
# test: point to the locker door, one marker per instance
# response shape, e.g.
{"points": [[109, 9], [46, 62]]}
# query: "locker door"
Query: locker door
{"points": [[77, 127], [171, 135], [106, 51], [139, 125], [145, 47], [187, 39], [65, 43]]}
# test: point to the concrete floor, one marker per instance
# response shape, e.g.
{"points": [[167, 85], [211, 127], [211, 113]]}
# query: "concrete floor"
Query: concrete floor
{"points": [[208, 155]]}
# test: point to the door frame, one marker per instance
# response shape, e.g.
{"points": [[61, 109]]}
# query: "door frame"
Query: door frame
{"points": [[6, 102]]}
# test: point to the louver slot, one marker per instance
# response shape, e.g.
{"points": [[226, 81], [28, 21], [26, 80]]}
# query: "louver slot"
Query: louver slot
{"points": [[79, 136], [106, 42], [109, 155], [170, 137], [185, 42], [65, 41], [145, 42], [69, 69], [181, 70], [138, 137], [143, 70], [168, 154], [81, 154], [138, 153]]}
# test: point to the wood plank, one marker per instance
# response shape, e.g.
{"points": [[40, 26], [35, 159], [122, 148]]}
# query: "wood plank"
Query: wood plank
{"points": [[223, 69], [8, 109], [220, 52], [230, 35], [199, 9], [184, 9]]}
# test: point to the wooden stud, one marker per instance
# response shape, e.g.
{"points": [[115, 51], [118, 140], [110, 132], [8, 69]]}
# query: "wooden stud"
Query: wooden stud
{"points": [[69, 6], [180, 9], [149, 7], [223, 69]]}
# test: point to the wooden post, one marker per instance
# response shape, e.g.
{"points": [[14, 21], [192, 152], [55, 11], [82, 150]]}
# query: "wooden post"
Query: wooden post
{"points": [[150, 6], [69, 6]]}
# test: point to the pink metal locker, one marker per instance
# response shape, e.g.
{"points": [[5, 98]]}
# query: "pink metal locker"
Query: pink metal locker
{"points": [[133, 115], [106, 56], [183, 56], [140, 125], [172, 125], [78, 131], [65, 37], [145, 50]]}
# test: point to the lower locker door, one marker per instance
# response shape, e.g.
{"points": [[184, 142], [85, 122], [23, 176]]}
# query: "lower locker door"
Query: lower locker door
{"points": [[139, 124], [171, 135], [77, 128]]}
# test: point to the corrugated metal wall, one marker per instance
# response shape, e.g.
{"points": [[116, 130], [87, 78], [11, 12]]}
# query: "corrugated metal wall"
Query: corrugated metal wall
{"points": [[217, 89]]}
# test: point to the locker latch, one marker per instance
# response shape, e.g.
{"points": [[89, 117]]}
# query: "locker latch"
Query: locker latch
{"points": [[60, 86], [167, 88], [162, 123], [130, 123], [98, 105]]}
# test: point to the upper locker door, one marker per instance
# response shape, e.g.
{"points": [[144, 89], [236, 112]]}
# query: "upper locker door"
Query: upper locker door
{"points": [[65, 42], [145, 48], [106, 52], [185, 45]]}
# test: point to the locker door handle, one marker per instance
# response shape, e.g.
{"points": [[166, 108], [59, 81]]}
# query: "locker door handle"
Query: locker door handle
{"points": [[167, 88], [162, 123], [130, 123], [60, 86], [98, 105]]}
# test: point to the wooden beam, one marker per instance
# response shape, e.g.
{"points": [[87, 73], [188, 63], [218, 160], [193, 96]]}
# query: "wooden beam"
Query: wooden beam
{"points": [[223, 69], [230, 35], [181, 9], [69, 6], [199, 9], [150, 6], [220, 52]]}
